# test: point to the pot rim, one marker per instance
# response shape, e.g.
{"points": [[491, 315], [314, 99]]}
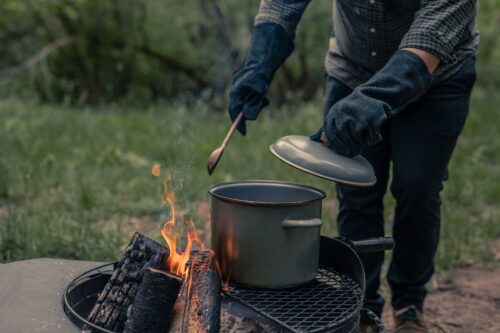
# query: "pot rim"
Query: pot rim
{"points": [[321, 194]]}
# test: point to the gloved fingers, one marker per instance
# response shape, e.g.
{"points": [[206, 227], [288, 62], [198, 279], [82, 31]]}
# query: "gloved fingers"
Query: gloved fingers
{"points": [[341, 147], [247, 100], [317, 135], [250, 112], [253, 105], [362, 132], [242, 127], [338, 133], [265, 102], [370, 136], [247, 109], [250, 108], [351, 136], [354, 132], [320, 136], [235, 105], [325, 140]]}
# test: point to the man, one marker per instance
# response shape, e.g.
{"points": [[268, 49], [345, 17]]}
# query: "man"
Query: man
{"points": [[398, 84]]}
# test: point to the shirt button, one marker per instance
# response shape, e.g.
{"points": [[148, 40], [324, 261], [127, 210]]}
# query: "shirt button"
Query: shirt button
{"points": [[372, 30], [374, 53], [372, 2]]}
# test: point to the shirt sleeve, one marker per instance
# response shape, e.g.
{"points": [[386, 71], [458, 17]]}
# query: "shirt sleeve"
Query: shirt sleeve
{"points": [[286, 13], [438, 26]]}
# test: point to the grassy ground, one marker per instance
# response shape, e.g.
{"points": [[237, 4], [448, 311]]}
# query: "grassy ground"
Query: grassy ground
{"points": [[77, 183]]}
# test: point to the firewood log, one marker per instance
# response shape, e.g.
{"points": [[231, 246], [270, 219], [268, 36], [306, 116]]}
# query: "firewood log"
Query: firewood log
{"points": [[110, 310], [179, 311], [197, 308], [150, 310], [204, 303]]}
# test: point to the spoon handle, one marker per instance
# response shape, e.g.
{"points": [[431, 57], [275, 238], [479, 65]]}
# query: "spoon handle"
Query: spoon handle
{"points": [[232, 129]]}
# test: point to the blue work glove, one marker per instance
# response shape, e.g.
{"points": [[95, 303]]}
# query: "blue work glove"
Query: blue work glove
{"points": [[354, 122], [269, 48]]}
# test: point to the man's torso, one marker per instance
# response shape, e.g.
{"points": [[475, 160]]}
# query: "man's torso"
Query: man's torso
{"points": [[366, 33]]}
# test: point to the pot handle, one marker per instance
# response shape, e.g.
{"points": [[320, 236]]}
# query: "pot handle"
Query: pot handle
{"points": [[310, 223], [373, 244]]}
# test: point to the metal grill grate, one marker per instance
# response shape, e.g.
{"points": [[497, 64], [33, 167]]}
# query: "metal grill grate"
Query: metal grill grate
{"points": [[330, 301]]}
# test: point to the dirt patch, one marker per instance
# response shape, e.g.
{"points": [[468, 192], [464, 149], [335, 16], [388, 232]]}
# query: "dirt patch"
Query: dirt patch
{"points": [[470, 304]]}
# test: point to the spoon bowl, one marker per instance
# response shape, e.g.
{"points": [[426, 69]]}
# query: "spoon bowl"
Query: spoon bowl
{"points": [[213, 159], [215, 156]]}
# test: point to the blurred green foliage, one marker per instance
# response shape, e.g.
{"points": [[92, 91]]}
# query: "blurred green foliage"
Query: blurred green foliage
{"points": [[140, 51], [92, 51]]}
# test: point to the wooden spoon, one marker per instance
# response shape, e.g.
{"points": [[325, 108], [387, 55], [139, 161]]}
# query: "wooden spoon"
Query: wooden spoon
{"points": [[217, 153]]}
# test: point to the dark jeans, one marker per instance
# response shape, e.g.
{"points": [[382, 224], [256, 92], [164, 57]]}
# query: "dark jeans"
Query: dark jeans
{"points": [[419, 143]]}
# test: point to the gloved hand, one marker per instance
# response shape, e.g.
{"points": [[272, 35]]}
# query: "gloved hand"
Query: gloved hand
{"points": [[354, 122], [269, 48]]}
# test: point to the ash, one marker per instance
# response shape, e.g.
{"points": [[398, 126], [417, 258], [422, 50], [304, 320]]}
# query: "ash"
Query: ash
{"points": [[230, 323]]}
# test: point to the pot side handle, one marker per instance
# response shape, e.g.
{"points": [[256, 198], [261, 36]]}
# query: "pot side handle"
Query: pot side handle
{"points": [[310, 223]]}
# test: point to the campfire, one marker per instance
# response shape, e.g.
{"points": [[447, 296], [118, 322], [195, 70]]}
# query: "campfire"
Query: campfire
{"points": [[156, 288], [164, 287]]}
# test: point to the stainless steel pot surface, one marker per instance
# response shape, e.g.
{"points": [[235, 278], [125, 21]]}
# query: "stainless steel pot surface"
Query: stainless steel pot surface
{"points": [[266, 233]]}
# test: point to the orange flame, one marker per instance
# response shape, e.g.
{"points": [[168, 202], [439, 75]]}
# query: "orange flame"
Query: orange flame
{"points": [[230, 253], [176, 262]]}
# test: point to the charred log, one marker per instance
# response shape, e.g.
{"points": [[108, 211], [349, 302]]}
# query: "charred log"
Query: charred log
{"points": [[179, 311], [204, 302], [110, 310], [198, 305], [141, 297], [151, 307]]}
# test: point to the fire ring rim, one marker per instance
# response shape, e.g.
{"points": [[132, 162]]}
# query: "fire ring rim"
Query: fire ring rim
{"points": [[107, 269], [68, 308]]}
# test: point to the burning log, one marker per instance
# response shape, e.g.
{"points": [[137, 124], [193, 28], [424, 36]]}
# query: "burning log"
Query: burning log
{"points": [[198, 305], [151, 307], [110, 310], [141, 297], [179, 311], [204, 302]]}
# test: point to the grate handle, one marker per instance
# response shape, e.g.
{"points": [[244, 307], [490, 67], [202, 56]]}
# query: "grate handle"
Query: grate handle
{"points": [[375, 319], [373, 244]]}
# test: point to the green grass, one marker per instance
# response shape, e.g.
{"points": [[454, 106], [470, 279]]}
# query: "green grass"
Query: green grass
{"points": [[76, 183]]}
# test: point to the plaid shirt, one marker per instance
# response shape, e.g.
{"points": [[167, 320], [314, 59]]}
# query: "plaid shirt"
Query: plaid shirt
{"points": [[366, 33]]}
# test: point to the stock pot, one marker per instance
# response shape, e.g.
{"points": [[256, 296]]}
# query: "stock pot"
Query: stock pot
{"points": [[266, 234]]}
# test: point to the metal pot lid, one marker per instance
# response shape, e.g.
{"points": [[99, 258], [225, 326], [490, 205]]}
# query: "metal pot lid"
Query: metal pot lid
{"points": [[314, 158]]}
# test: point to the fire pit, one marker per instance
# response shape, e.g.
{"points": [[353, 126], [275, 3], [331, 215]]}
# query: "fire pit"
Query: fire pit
{"points": [[32, 291], [330, 303], [157, 289]]}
